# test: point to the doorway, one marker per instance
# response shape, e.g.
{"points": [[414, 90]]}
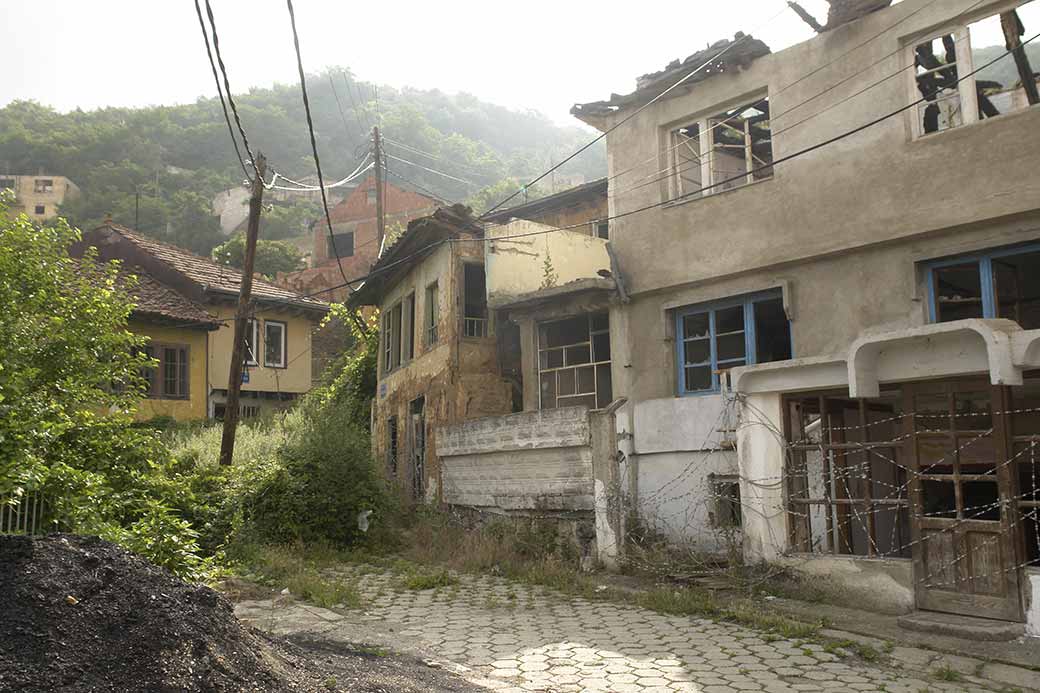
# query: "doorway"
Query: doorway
{"points": [[417, 416]]}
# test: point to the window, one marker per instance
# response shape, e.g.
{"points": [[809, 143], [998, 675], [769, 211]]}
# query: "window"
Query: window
{"points": [[727, 334], [432, 314], [43, 185], [341, 245], [475, 317], [274, 344], [944, 67], [391, 446], [602, 229], [408, 327], [1003, 283], [40, 209], [252, 342], [370, 196], [249, 411], [725, 490], [392, 339], [722, 152], [8, 183], [574, 362], [169, 379]]}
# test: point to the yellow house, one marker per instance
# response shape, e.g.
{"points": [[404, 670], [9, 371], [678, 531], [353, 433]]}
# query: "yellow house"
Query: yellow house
{"points": [[38, 196], [192, 328]]}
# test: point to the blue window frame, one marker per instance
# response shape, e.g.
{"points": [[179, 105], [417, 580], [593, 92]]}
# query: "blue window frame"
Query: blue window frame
{"points": [[716, 336], [999, 283]]}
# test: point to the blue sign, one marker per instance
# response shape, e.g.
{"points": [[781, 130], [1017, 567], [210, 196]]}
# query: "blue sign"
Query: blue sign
{"points": [[245, 375]]}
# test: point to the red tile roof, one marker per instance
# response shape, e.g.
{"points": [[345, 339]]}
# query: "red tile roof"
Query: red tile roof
{"points": [[210, 275], [156, 300]]}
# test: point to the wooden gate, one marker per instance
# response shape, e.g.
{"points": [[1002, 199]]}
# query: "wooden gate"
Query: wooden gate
{"points": [[964, 549]]}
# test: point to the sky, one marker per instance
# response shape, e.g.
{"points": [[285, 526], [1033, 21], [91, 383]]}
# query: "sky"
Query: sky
{"points": [[543, 55]]}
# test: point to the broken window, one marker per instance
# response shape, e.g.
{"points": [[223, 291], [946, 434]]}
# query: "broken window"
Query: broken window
{"points": [[725, 489], [341, 245], [474, 291], [574, 362], [43, 185], [846, 477], [274, 343], [252, 344], [8, 183], [722, 152], [715, 337], [976, 71], [432, 314], [1003, 283]]}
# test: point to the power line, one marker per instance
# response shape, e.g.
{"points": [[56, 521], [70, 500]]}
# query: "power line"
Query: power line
{"points": [[227, 87], [414, 150], [632, 115], [433, 170], [419, 187], [354, 104], [220, 91], [339, 105], [314, 142]]}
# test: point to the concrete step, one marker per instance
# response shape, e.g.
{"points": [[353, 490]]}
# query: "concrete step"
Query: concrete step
{"points": [[967, 627]]}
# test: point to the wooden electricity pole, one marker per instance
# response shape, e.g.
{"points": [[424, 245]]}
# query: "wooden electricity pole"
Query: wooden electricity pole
{"points": [[227, 441], [377, 153]]}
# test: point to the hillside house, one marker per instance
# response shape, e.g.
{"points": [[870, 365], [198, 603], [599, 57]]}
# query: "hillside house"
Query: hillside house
{"points": [[835, 362], [188, 308], [38, 196]]}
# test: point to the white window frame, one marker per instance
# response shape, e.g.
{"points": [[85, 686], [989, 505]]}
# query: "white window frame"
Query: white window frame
{"points": [[965, 67], [705, 122], [284, 342], [251, 352]]}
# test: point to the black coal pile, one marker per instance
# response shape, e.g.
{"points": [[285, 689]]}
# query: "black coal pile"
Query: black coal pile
{"points": [[81, 614]]}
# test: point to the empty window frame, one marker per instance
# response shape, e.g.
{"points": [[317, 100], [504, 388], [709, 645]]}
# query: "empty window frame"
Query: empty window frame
{"points": [[574, 362], [725, 490], [846, 477], [40, 209], [170, 378], [8, 183], [945, 76], [43, 185], [391, 446], [275, 340], [1002, 283], [341, 245], [602, 229], [252, 342], [392, 338], [433, 314], [474, 292], [714, 337], [722, 152]]}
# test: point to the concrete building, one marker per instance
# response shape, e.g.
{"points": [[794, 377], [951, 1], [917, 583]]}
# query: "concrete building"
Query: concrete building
{"points": [[38, 196], [831, 337]]}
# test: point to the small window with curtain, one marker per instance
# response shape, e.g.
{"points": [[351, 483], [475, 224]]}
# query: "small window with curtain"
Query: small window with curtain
{"points": [[714, 337], [274, 344]]}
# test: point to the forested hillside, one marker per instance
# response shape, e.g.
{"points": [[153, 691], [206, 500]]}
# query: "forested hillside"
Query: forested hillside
{"points": [[177, 157]]}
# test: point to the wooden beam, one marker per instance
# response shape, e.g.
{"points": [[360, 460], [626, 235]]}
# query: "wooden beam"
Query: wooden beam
{"points": [[1011, 23]]}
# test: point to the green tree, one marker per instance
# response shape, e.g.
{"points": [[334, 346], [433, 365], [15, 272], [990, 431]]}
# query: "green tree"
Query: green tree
{"points": [[271, 256]]}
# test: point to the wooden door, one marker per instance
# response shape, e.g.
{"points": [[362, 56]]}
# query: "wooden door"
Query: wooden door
{"points": [[964, 535]]}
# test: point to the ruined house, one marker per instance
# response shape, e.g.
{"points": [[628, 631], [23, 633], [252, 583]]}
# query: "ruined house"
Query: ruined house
{"points": [[835, 361]]}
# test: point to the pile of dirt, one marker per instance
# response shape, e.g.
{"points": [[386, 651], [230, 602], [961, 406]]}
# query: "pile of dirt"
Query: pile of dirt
{"points": [[81, 614]]}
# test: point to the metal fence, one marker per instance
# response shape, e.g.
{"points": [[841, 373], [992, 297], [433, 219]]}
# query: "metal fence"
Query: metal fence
{"points": [[24, 514]]}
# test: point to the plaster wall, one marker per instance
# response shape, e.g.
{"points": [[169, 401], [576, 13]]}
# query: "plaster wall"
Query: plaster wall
{"points": [[517, 266], [180, 409], [294, 378]]}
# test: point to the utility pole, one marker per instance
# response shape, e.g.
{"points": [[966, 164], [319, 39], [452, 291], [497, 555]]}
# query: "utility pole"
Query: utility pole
{"points": [[377, 149], [227, 441]]}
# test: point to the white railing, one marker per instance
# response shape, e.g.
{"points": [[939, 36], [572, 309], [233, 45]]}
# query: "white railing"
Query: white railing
{"points": [[23, 514]]}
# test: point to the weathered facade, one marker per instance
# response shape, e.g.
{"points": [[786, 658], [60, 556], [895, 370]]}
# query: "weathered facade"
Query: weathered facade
{"points": [[38, 196], [849, 229], [438, 360]]}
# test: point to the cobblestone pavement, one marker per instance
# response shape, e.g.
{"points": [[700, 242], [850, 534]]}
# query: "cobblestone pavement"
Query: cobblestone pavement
{"points": [[513, 637]]}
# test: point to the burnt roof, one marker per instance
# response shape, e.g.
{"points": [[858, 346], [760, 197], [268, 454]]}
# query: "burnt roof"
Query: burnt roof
{"points": [[210, 278], [564, 198], [422, 237], [739, 53]]}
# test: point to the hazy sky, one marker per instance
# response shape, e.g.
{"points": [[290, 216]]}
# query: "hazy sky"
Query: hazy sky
{"points": [[540, 54]]}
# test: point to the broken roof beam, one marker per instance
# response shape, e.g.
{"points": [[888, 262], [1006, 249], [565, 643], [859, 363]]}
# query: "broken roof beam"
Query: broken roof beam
{"points": [[1011, 23]]}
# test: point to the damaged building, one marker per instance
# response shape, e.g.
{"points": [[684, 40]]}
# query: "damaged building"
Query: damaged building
{"points": [[835, 364]]}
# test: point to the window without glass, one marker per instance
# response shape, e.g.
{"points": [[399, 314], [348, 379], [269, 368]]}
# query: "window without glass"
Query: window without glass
{"points": [[344, 245], [1003, 283], [43, 185], [574, 362], [7, 183], [722, 152], [274, 344], [603, 230], [432, 307], [976, 71], [391, 445], [723, 335], [726, 491], [40, 209], [475, 317]]}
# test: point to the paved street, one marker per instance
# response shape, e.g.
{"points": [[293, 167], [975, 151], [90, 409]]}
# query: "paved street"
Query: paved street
{"points": [[512, 637]]}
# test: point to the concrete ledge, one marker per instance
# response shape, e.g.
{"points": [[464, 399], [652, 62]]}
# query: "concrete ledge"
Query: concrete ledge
{"points": [[965, 627]]}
